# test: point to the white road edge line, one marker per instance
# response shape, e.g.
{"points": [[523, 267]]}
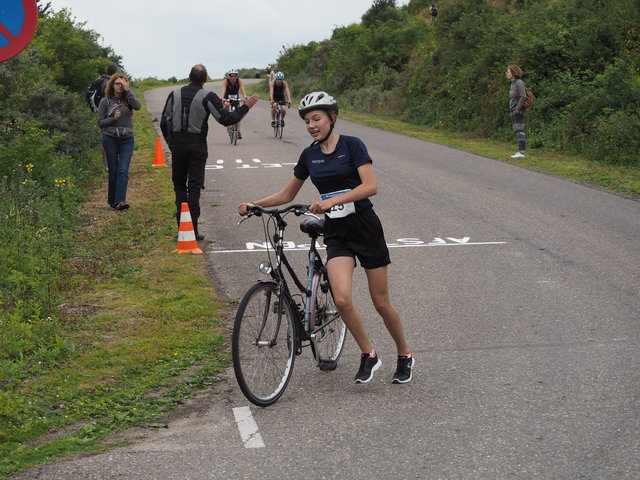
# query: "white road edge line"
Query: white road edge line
{"points": [[248, 428]]}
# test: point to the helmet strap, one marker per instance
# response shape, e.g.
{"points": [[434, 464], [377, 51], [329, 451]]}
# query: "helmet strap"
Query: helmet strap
{"points": [[333, 123]]}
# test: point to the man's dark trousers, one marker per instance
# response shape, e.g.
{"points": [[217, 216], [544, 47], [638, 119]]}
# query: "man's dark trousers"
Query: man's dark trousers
{"points": [[187, 172]]}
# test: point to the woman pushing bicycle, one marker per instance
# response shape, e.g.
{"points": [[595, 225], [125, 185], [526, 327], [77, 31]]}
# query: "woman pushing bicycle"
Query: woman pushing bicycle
{"points": [[341, 169]]}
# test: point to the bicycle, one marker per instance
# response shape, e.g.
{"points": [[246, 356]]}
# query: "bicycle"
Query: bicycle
{"points": [[273, 325], [232, 130], [278, 126]]}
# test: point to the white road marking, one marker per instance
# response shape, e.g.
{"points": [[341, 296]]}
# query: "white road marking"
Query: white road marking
{"points": [[240, 165], [292, 247], [248, 428]]}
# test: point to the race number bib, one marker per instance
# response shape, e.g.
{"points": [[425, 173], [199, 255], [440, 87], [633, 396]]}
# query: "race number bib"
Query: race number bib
{"points": [[339, 211]]}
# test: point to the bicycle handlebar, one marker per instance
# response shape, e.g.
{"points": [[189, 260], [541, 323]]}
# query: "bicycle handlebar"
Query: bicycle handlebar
{"points": [[256, 210], [296, 208]]}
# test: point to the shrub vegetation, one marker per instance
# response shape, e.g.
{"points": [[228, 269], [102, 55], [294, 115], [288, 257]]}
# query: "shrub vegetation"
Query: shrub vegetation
{"points": [[581, 58]]}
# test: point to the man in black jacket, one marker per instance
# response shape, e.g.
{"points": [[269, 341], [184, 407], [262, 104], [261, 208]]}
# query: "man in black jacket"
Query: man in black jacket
{"points": [[184, 127], [95, 92]]}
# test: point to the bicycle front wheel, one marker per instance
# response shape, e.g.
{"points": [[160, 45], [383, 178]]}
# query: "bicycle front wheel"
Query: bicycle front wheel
{"points": [[263, 344], [329, 330]]}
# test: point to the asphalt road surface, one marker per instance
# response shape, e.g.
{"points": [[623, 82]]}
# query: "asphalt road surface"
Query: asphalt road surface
{"points": [[519, 293]]}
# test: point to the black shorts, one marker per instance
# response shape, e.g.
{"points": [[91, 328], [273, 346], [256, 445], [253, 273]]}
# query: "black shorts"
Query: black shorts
{"points": [[358, 235]]}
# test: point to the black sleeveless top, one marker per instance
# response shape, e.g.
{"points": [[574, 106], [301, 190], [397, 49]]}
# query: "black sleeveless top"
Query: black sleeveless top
{"points": [[233, 89], [278, 92]]}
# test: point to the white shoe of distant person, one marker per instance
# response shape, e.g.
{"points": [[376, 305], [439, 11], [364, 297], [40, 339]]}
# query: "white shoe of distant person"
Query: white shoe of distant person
{"points": [[518, 155]]}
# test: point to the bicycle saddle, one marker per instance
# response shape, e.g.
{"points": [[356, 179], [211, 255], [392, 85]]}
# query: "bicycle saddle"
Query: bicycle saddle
{"points": [[312, 226]]}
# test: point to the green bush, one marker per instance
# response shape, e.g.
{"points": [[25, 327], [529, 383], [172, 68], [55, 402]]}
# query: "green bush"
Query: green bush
{"points": [[47, 138], [581, 59], [616, 139]]}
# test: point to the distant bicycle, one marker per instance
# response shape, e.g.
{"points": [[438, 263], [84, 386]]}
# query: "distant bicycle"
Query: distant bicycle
{"points": [[273, 324], [232, 130], [278, 126]]}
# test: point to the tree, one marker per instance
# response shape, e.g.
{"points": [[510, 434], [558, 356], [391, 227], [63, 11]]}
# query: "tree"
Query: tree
{"points": [[381, 11]]}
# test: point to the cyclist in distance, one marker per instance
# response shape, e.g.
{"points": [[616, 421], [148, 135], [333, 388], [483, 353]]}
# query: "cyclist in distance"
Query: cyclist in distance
{"points": [[341, 169], [277, 91], [233, 86]]}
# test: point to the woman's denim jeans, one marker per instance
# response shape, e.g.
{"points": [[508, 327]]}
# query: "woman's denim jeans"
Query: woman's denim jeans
{"points": [[119, 152]]}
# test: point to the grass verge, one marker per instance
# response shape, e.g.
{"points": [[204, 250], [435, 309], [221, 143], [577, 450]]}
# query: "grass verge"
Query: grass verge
{"points": [[143, 323]]}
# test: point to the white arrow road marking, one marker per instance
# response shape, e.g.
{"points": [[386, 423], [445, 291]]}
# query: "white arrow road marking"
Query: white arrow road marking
{"points": [[248, 428]]}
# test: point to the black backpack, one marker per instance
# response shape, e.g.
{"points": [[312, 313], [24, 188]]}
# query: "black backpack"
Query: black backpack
{"points": [[95, 92]]}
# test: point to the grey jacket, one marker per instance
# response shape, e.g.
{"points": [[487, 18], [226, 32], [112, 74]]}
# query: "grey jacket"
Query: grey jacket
{"points": [[123, 126], [517, 95]]}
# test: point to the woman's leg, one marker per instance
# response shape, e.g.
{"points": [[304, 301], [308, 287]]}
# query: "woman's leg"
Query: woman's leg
{"points": [[125, 152], [110, 147], [379, 290], [340, 271], [517, 120]]}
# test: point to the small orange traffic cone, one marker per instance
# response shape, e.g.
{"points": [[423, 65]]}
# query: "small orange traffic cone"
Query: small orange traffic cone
{"points": [[186, 236], [158, 156]]}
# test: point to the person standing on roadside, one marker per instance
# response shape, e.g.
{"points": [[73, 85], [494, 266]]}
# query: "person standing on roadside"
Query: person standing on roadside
{"points": [[96, 90], [272, 74], [341, 169], [95, 93], [115, 118], [517, 97], [184, 125]]}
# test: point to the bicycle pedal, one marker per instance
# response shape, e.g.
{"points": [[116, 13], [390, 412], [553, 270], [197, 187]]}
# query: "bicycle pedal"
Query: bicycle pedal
{"points": [[327, 365]]}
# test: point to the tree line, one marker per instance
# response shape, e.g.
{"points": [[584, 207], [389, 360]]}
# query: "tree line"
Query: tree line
{"points": [[581, 58]]}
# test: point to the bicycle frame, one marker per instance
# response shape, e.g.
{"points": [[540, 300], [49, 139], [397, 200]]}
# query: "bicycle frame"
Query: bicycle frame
{"points": [[232, 130], [272, 324], [307, 329], [278, 127]]}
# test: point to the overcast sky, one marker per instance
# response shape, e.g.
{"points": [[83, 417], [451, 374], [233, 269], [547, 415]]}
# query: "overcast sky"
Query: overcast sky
{"points": [[165, 38]]}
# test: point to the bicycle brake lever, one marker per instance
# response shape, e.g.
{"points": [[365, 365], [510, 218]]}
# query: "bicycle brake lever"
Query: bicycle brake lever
{"points": [[246, 217]]}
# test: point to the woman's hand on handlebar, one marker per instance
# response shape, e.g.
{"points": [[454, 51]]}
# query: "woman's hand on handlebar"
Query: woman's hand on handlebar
{"points": [[319, 208], [243, 208]]}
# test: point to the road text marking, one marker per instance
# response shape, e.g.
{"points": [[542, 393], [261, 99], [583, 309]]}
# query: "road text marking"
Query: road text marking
{"points": [[399, 243]]}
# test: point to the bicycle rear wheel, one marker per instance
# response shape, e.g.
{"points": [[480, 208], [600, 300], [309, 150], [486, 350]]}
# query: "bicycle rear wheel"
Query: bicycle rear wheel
{"points": [[263, 345], [330, 330]]}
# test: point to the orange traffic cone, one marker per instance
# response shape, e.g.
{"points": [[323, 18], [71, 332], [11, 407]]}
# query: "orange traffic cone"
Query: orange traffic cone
{"points": [[186, 236], [158, 156]]}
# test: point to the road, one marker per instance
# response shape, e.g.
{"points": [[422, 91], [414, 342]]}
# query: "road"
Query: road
{"points": [[520, 295]]}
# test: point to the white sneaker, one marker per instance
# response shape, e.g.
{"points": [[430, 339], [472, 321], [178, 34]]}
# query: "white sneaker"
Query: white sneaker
{"points": [[518, 155]]}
